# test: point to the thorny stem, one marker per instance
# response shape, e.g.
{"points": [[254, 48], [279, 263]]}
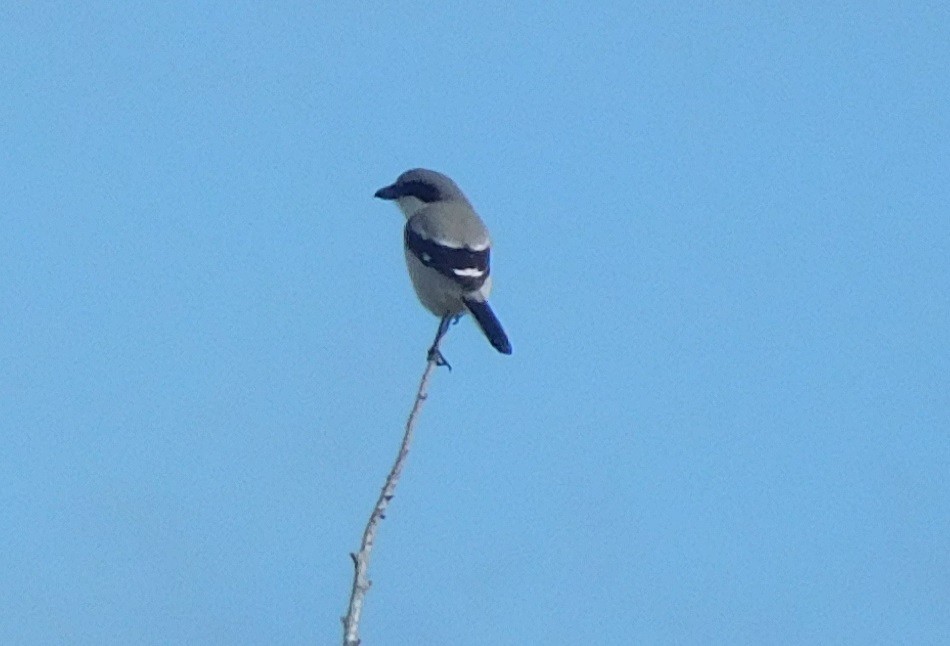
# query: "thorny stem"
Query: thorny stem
{"points": [[361, 582]]}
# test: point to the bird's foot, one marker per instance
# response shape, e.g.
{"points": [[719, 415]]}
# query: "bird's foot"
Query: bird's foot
{"points": [[435, 355]]}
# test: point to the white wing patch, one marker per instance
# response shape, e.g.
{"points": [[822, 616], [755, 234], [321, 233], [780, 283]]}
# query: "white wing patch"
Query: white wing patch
{"points": [[473, 272]]}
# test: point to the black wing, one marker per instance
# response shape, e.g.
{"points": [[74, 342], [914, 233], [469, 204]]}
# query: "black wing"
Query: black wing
{"points": [[467, 267]]}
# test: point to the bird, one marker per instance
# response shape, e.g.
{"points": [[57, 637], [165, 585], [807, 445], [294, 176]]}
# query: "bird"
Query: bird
{"points": [[447, 249]]}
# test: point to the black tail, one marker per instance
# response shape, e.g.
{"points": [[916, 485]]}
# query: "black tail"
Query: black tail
{"points": [[489, 324]]}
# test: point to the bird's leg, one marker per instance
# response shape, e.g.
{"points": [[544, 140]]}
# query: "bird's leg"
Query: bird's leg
{"points": [[434, 353]]}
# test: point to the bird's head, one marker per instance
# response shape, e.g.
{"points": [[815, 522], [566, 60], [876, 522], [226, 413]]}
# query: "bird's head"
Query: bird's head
{"points": [[419, 187]]}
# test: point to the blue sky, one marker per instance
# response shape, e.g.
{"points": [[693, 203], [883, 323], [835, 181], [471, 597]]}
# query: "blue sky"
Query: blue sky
{"points": [[721, 251]]}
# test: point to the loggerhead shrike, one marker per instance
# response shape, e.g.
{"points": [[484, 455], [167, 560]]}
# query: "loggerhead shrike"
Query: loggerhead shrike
{"points": [[447, 252]]}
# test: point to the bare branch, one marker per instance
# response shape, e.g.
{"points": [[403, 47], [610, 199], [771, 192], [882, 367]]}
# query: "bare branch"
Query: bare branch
{"points": [[361, 582]]}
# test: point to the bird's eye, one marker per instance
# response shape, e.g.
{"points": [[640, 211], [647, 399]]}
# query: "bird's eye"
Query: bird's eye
{"points": [[422, 191]]}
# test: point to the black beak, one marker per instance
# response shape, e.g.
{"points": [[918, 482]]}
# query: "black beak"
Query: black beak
{"points": [[388, 193]]}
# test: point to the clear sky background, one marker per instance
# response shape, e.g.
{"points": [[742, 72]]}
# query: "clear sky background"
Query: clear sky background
{"points": [[722, 253]]}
